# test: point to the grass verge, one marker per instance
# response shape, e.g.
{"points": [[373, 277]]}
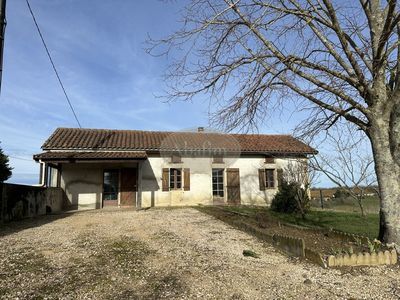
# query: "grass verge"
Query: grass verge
{"points": [[342, 221]]}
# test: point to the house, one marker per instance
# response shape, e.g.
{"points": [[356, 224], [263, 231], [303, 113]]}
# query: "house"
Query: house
{"points": [[98, 168]]}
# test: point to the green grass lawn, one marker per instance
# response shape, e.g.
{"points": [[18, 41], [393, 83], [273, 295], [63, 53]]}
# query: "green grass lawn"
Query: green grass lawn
{"points": [[343, 221], [370, 203]]}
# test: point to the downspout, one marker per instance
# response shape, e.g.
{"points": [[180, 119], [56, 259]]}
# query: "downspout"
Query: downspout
{"points": [[43, 174]]}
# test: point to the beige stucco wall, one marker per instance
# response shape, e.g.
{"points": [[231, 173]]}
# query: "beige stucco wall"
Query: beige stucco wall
{"points": [[249, 183], [83, 182], [201, 181]]}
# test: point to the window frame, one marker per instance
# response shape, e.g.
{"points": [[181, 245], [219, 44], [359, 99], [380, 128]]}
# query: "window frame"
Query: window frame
{"points": [[269, 159], [219, 183], [117, 171], [174, 183], [218, 159], [176, 159], [270, 184]]}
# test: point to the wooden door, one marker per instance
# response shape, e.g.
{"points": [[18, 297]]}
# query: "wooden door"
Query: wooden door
{"points": [[233, 186], [128, 187]]}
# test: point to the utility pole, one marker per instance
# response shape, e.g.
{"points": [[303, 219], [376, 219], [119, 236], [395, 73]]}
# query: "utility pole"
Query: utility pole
{"points": [[3, 23], [2, 31]]}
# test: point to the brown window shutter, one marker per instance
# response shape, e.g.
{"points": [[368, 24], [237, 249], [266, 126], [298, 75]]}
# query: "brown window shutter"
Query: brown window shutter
{"points": [[165, 175], [186, 179], [280, 176], [261, 179]]}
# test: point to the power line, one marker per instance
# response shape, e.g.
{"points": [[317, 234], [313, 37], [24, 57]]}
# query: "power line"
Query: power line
{"points": [[52, 63], [20, 158], [3, 23]]}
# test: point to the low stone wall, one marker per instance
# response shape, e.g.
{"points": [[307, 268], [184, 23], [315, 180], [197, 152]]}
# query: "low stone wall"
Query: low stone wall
{"points": [[23, 201]]}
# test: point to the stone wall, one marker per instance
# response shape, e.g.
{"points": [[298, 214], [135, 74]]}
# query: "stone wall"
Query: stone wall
{"points": [[22, 201]]}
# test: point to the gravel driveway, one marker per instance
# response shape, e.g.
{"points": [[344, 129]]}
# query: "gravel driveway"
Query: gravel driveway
{"points": [[165, 253]]}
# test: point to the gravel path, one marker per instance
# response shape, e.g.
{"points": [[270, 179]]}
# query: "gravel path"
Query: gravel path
{"points": [[165, 253]]}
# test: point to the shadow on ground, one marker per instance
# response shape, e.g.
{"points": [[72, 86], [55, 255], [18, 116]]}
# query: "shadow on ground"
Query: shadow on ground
{"points": [[19, 225]]}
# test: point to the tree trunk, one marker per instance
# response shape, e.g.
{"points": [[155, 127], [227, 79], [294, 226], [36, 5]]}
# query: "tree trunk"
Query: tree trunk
{"points": [[361, 205], [387, 167]]}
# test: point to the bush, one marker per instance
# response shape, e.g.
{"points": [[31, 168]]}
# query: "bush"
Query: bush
{"points": [[291, 198], [341, 194]]}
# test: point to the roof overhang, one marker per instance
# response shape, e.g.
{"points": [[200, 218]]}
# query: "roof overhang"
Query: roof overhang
{"points": [[89, 156]]}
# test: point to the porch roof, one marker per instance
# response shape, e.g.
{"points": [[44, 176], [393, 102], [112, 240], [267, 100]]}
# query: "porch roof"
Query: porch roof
{"points": [[89, 155]]}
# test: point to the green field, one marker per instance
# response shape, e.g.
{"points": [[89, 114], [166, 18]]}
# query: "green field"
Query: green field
{"points": [[370, 203], [343, 221]]}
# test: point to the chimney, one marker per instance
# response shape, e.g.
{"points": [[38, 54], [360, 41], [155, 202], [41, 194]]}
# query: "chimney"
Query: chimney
{"points": [[200, 129]]}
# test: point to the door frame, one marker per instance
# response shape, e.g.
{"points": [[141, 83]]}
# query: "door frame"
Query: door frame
{"points": [[135, 190], [219, 200], [238, 200], [117, 202], [112, 203]]}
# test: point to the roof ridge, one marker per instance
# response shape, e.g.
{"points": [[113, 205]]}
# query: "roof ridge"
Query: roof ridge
{"points": [[169, 131]]}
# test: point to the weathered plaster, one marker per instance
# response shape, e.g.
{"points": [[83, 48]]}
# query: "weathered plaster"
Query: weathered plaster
{"points": [[83, 182]]}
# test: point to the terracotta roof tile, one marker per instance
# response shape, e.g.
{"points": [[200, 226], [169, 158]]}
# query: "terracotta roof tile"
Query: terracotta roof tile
{"points": [[128, 140], [89, 155]]}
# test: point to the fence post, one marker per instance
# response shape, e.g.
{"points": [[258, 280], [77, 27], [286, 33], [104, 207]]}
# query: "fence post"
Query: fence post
{"points": [[321, 198]]}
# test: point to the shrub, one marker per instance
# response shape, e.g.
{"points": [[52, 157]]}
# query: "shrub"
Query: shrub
{"points": [[5, 169], [291, 198], [341, 194]]}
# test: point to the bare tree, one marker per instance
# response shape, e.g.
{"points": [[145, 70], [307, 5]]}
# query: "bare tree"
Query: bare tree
{"points": [[299, 172], [338, 58], [348, 163]]}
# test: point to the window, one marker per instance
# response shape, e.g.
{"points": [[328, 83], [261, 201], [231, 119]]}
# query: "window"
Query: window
{"points": [[218, 182], [269, 178], [175, 179], [269, 160], [218, 159], [175, 159], [110, 184]]}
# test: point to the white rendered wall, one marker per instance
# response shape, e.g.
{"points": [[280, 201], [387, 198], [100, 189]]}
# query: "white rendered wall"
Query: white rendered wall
{"points": [[83, 182], [201, 181]]}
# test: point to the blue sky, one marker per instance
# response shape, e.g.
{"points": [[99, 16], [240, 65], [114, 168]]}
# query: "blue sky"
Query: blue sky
{"points": [[98, 48]]}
